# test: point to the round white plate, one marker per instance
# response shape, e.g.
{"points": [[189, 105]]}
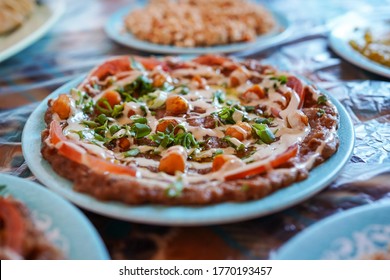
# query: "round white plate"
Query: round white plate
{"points": [[358, 233], [352, 27], [116, 30], [64, 225], [40, 21], [319, 178]]}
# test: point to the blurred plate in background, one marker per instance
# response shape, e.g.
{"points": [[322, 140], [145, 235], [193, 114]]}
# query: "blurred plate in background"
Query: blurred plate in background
{"points": [[116, 30], [40, 21]]}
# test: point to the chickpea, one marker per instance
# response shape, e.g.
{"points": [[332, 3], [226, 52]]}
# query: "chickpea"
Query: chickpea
{"points": [[124, 143], [176, 105], [220, 160], [174, 160], [163, 125], [61, 106], [113, 98], [159, 80], [241, 131]]}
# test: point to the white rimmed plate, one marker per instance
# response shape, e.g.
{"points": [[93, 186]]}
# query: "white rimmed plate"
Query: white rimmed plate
{"points": [[65, 225], [353, 27], [319, 178], [116, 30], [358, 233], [39, 22]]}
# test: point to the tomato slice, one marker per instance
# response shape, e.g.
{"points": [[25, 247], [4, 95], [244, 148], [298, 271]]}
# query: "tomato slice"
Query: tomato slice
{"points": [[279, 160], [13, 225], [111, 67], [104, 166], [55, 132], [294, 83], [74, 152], [211, 60]]}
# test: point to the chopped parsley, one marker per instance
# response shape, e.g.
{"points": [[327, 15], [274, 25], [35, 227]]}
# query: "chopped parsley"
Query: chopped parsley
{"points": [[281, 79], [226, 114], [139, 87], [140, 130], [169, 138], [322, 99], [267, 121], [264, 133], [218, 97], [88, 107], [320, 113], [186, 139], [175, 189], [138, 119], [132, 152], [184, 90], [136, 65], [235, 143], [162, 139], [117, 111], [114, 129]]}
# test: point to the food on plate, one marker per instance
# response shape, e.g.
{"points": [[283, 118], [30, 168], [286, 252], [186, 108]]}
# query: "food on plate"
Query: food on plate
{"points": [[190, 23], [374, 45], [171, 131], [19, 236], [13, 13]]}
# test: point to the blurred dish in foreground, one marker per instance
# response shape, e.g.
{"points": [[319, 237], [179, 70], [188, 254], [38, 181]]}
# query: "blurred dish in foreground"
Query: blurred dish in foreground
{"points": [[33, 28], [33, 218], [363, 40], [227, 37], [21, 239], [359, 233]]}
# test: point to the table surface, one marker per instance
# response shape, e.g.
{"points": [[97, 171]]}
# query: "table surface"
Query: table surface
{"points": [[78, 42]]}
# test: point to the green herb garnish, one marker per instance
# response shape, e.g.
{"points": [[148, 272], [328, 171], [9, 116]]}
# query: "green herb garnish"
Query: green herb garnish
{"points": [[226, 115], [264, 133], [320, 113], [218, 97], [281, 79], [175, 189], [132, 152], [136, 65], [117, 111], [139, 87], [264, 120], [140, 130], [138, 119], [322, 99], [114, 129], [186, 139]]}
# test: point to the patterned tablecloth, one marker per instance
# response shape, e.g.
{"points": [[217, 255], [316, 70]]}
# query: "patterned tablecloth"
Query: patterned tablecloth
{"points": [[78, 42]]}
